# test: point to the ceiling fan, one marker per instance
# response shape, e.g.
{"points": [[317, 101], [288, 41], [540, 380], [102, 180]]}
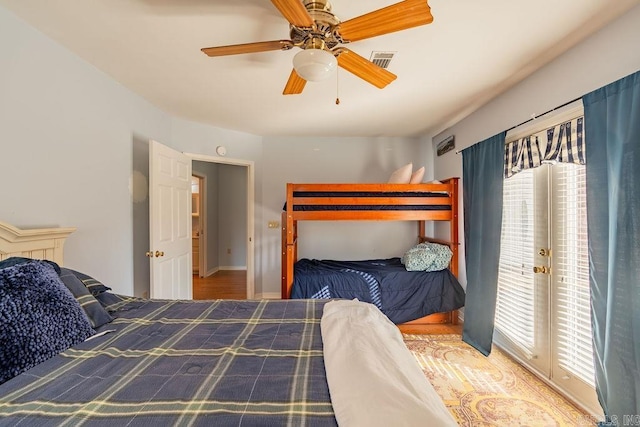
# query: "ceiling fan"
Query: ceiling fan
{"points": [[319, 33]]}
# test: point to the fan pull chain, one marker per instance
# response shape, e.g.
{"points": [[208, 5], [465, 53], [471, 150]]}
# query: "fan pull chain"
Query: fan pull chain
{"points": [[337, 88]]}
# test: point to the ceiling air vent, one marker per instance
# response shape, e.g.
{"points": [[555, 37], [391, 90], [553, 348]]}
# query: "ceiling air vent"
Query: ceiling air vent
{"points": [[382, 59]]}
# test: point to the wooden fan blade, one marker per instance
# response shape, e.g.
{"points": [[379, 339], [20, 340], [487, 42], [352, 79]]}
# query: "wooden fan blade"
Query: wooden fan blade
{"points": [[294, 85], [248, 48], [399, 16], [294, 12], [366, 70]]}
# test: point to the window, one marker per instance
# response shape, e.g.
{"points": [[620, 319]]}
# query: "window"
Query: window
{"points": [[571, 270]]}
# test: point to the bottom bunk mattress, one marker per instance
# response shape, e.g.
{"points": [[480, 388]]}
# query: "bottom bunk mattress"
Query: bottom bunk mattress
{"points": [[400, 294]]}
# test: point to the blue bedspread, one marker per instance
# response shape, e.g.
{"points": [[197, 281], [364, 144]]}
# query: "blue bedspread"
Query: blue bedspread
{"points": [[400, 294], [201, 363]]}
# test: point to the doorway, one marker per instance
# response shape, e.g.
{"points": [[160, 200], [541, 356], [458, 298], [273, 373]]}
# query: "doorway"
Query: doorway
{"points": [[224, 228]]}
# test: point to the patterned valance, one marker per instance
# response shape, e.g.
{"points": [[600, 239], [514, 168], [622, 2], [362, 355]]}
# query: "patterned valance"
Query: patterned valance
{"points": [[563, 143]]}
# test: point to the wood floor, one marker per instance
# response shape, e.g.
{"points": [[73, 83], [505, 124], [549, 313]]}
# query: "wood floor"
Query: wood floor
{"points": [[223, 284], [232, 284]]}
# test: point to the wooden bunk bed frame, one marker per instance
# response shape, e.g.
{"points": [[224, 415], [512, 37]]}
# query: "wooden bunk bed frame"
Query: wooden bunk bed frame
{"points": [[446, 209]]}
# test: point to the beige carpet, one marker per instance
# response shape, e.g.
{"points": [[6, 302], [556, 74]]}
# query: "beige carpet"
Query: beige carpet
{"points": [[489, 391]]}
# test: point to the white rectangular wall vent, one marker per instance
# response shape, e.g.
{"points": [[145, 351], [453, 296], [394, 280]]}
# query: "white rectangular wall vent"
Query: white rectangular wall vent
{"points": [[382, 59]]}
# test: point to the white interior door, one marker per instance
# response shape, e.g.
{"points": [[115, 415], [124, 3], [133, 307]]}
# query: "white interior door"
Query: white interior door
{"points": [[170, 223]]}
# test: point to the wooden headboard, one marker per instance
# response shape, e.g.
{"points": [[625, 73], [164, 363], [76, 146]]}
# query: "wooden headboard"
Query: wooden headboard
{"points": [[38, 243]]}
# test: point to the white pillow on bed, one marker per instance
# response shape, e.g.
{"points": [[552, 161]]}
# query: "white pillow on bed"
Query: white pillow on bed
{"points": [[401, 175], [416, 177]]}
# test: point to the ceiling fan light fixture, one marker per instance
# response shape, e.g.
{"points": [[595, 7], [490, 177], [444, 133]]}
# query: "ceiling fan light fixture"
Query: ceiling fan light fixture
{"points": [[314, 65]]}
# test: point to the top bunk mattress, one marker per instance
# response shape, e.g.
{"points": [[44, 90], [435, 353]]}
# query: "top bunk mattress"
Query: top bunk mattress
{"points": [[335, 199]]}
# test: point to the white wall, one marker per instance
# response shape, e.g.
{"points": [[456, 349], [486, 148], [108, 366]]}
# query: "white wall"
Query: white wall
{"points": [[66, 135], [608, 55], [140, 212]]}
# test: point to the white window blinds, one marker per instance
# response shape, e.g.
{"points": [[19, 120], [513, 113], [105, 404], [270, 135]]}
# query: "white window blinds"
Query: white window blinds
{"points": [[515, 302], [571, 271]]}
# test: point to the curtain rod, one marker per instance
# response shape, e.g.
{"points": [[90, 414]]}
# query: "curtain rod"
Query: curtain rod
{"points": [[532, 119]]}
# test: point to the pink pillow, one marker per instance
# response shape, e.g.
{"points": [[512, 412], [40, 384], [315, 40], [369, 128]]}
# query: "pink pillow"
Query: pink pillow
{"points": [[416, 177], [401, 175]]}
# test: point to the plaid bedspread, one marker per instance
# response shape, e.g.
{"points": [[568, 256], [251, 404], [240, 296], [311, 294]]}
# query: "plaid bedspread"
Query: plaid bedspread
{"points": [[226, 363]]}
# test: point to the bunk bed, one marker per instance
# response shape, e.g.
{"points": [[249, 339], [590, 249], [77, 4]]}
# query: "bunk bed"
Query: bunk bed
{"points": [[354, 202]]}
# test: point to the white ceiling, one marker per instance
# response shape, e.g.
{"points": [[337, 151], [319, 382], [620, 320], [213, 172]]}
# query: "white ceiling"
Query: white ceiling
{"points": [[472, 51]]}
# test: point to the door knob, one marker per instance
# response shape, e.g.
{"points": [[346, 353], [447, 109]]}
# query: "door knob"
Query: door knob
{"points": [[149, 254], [544, 252], [541, 269], [159, 254]]}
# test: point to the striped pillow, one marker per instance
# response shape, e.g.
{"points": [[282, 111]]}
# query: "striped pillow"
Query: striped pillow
{"points": [[94, 286], [97, 315]]}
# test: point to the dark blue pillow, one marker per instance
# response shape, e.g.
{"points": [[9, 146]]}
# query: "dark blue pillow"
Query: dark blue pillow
{"points": [[15, 260], [97, 315], [112, 302], [94, 286], [39, 317]]}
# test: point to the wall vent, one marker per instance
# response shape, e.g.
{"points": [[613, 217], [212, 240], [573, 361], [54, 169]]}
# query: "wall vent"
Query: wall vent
{"points": [[382, 59]]}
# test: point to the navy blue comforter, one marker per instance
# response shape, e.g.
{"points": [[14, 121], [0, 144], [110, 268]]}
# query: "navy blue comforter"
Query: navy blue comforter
{"points": [[400, 294]]}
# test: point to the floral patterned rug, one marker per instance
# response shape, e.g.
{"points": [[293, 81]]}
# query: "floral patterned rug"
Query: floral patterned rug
{"points": [[489, 391]]}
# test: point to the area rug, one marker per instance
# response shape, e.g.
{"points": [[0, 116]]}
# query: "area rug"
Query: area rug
{"points": [[489, 391]]}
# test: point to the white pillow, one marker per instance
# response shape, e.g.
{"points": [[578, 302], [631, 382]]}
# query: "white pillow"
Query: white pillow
{"points": [[416, 177], [401, 175]]}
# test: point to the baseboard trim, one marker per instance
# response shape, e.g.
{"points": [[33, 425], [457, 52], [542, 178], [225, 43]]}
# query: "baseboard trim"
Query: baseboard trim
{"points": [[268, 295], [212, 271], [232, 267]]}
